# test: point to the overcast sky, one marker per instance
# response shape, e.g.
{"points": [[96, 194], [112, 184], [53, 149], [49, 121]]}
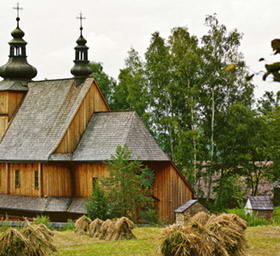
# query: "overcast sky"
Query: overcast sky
{"points": [[112, 27]]}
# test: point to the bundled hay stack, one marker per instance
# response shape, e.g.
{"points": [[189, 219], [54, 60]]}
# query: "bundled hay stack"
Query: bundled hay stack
{"points": [[82, 225], [94, 227], [205, 235], [103, 229], [121, 230], [31, 241]]}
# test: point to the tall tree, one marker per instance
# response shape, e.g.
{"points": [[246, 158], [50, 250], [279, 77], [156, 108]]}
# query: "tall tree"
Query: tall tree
{"points": [[225, 82], [107, 84]]}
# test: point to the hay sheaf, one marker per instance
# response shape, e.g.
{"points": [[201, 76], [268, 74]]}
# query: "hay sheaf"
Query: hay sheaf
{"points": [[82, 225], [94, 227], [103, 229], [205, 235], [121, 230], [30, 241]]}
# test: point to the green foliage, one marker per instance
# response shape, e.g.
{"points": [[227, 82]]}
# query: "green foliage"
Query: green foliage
{"points": [[41, 219], [125, 192], [106, 83], [97, 205], [70, 225], [149, 216], [228, 186], [128, 186], [252, 219]]}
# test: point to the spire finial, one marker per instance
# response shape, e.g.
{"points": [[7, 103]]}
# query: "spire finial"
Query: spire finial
{"points": [[18, 9], [81, 18]]}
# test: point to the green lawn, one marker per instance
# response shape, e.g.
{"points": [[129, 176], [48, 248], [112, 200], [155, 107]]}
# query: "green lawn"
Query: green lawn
{"points": [[262, 241]]}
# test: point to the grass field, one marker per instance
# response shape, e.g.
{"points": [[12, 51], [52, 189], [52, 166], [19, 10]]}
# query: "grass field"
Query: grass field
{"points": [[262, 241]]}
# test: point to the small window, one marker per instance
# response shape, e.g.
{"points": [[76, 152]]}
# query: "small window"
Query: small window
{"points": [[17, 179], [36, 179], [94, 181]]}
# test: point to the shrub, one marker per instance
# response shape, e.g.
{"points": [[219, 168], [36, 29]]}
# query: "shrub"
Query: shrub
{"points": [[70, 225], [42, 220], [150, 216], [97, 205]]}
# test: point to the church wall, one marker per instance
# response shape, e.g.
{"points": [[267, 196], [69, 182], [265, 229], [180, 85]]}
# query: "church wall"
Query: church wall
{"points": [[84, 174], [26, 179], [56, 180], [9, 103], [93, 102], [170, 189]]}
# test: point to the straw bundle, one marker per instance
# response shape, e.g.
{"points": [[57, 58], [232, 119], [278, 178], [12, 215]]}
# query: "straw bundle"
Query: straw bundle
{"points": [[31, 241], [82, 225], [94, 227], [121, 230], [205, 235], [103, 229], [40, 238]]}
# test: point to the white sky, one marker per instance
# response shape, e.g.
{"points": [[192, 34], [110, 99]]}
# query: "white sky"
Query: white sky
{"points": [[112, 27]]}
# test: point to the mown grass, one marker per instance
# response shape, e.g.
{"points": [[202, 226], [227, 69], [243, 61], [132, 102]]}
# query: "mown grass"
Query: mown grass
{"points": [[262, 241]]}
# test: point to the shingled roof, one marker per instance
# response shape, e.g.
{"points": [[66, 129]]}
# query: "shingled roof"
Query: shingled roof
{"points": [[42, 119], [261, 203], [186, 206], [107, 130], [43, 205]]}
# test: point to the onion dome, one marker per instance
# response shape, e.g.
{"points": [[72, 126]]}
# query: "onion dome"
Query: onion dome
{"points": [[81, 68], [17, 67]]}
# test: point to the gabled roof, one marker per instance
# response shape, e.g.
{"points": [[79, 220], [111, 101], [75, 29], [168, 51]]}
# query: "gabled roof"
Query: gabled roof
{"points": [[261, 203], [107, 130], [186, 206], [42, 119]]}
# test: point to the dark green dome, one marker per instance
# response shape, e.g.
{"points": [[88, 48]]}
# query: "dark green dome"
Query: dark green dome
{"points": [[81, 41], [17, 33], [17, 67]]}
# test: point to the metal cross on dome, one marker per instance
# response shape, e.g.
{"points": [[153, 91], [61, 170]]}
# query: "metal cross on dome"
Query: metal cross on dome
{"points": [[81, 18], [17, 8]]}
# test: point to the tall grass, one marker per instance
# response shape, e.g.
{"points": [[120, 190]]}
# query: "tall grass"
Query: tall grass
{"points": [[253, 220]]}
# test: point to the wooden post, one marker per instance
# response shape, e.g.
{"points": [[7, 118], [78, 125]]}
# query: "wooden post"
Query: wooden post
{"points": [[7, 178], [40, 172]]}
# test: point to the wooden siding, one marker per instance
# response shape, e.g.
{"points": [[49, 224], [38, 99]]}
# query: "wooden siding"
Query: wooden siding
{"points": [[170, 190], [9, 103], [83, 177], [93, 102], [26, 175], [56, 180]]}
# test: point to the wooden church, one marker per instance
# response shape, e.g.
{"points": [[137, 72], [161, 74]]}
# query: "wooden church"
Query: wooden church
{"points": [[56, 136]]}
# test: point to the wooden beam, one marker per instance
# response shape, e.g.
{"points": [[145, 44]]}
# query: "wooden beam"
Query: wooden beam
{"points": [[40, 172], [7, 178]]}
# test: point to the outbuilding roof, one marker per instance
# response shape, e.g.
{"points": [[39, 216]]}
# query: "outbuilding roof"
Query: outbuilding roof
{"points": [[186, 206], [260, 203]]}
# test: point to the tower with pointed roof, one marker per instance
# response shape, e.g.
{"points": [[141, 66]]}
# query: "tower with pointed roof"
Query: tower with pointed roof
{"points": [[81, 68]]}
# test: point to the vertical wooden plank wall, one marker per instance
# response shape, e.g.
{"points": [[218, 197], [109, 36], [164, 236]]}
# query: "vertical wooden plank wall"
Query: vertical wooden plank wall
{"points": [[27, 184], [170, 189], [93, 102], [56, 180], [84, 174], [9, 102]]}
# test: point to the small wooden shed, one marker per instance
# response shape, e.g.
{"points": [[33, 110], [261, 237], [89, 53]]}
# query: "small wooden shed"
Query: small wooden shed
{"points": [[260, 205], [187, 210]]}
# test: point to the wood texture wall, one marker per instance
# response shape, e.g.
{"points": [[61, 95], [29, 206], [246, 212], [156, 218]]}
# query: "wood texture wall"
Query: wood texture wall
{"points": [[170, 190], [83, 177], [56, 180], [9, 103], [93, 102]]}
